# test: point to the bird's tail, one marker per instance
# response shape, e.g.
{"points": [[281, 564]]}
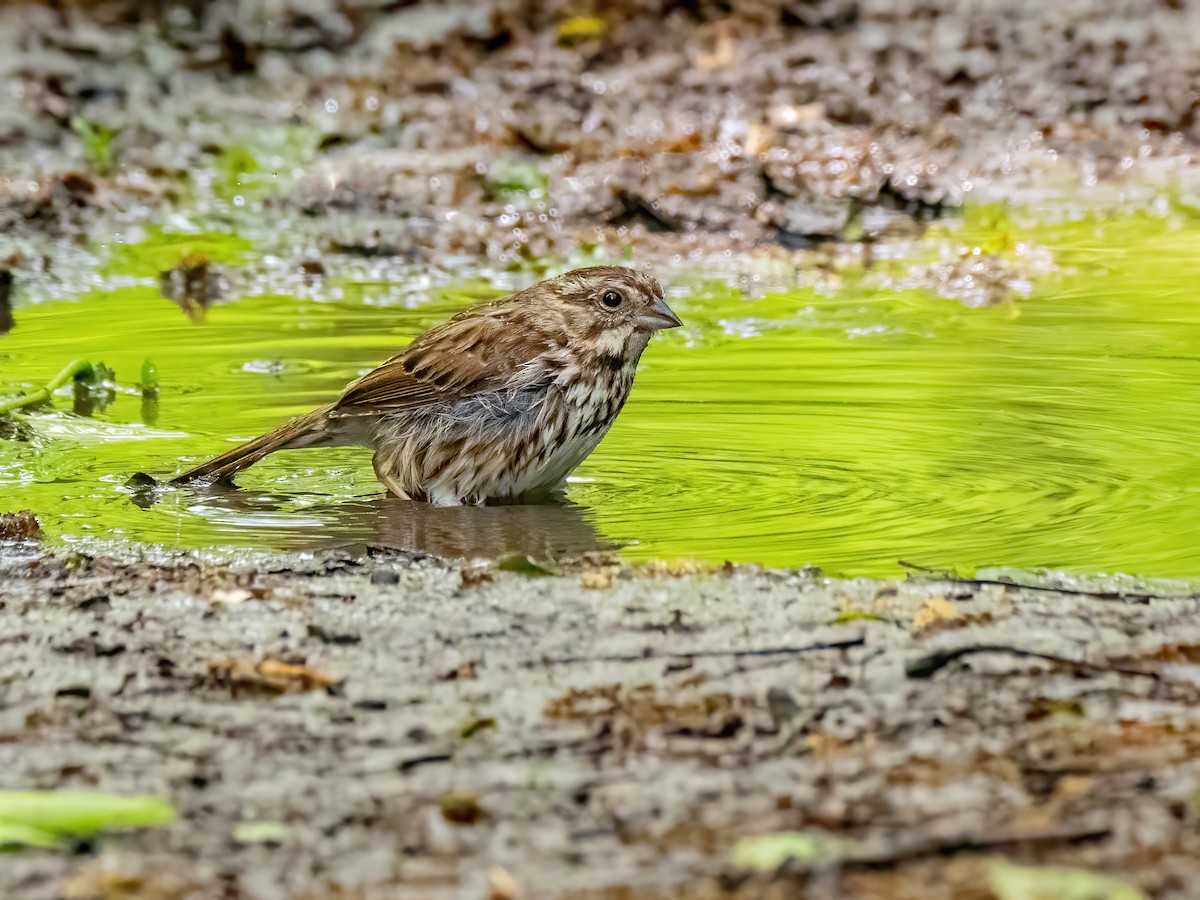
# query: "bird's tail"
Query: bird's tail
{"points": [[307, 431]]}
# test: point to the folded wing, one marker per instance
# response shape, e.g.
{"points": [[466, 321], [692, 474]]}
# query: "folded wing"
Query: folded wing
{"points": [[477, 351]]}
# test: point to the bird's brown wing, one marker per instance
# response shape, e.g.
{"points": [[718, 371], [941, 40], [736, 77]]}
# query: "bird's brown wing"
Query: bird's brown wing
{"points": [[477, 351]]}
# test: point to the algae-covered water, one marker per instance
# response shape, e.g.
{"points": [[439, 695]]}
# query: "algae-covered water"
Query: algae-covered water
{"points": [[848, 425]]}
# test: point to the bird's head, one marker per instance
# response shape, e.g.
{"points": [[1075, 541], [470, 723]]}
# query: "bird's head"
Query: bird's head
{"points": [[609, 308]]}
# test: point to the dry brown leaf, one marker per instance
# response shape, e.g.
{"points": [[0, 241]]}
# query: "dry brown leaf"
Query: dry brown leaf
{"points": [[629, 714], [476, 575], [937, 612], [724, 53], [467, 671], [460, 808], [118, 878], [268, 676], [759, 139], [598, 570], [502, 886], [675, 568]]}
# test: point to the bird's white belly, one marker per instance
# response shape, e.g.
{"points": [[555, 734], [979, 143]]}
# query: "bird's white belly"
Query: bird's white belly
{"points": [[552, 473]]}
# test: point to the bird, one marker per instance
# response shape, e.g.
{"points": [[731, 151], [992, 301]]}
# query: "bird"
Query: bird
{"points": [[499, 404]]}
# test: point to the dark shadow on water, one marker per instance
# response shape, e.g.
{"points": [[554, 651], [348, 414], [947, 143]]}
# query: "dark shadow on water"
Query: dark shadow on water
{"points": [[540, 531], [543, 531]]}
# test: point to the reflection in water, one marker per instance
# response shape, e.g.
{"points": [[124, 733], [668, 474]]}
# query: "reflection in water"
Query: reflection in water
{"points": [[540, 531]]}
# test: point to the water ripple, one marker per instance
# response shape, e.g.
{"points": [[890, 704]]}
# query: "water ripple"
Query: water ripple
{"points": [[847, 431]]}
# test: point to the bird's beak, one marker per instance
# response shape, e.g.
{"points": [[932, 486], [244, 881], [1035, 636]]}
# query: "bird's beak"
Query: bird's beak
{"points": [[659, 316]]}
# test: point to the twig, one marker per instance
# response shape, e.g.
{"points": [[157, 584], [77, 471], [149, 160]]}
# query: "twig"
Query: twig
{"points": [[700, 654], [926, 666], [407, 765], [975, 844], [942, 575], [79, 368]]}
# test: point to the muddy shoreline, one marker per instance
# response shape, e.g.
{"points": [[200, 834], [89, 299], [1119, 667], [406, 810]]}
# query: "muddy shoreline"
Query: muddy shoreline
{"points": [[516, 133], [601, 733]]}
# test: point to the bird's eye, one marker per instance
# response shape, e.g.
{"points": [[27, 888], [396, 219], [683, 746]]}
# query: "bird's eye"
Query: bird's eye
{"points": [[611, 299]]}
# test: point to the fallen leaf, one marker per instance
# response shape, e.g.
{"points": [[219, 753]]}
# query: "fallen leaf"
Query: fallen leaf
{"points": [[674, 568], [461, 808], [937, 612], [468, 671], [723, 55], [230, 596], [767, 852], [527, 565], [595, 581], [123, 878], [269, 676], [759, 140], [475, 726], [578, 28], [476, 575], [79, 813], [14, 834], [629, 714], [502, 886], [325, 636], [1009, 881], [856, 615], [260, 832], [598, 571]]}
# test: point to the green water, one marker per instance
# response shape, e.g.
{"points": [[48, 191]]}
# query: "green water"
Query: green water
{"points": [[848, 429]]}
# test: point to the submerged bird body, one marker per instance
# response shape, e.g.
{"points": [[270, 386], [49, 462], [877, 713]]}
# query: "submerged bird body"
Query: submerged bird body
{"points": [[514, 442], [499, 404]]}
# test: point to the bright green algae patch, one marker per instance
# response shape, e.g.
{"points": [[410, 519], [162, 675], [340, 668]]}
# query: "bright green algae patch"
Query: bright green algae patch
{"points": [[848, 430], [43, 818]]}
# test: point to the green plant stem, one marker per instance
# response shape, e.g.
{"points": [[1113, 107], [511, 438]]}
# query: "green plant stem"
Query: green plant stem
{"points": [[77, 368]]}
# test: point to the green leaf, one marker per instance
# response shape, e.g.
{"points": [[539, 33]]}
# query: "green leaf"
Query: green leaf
{"points": [[13, 834], [97, 142], [80, 813], [513, 176], [856, 615], [96, 374], [149, 382], [767, 852], [1013, 882], [579, 28], [527, 565], [475, 726], [261, 832]]}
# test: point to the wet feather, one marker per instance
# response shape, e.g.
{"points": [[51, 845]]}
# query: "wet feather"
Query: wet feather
{"points": [[499, 404]]}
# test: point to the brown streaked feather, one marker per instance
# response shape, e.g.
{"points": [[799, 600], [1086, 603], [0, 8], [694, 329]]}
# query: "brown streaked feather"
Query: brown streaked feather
{"points": [[478, 350], [307, 430]]}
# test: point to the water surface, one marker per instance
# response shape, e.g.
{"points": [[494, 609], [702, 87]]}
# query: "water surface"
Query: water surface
{"points": [[848, 427]]}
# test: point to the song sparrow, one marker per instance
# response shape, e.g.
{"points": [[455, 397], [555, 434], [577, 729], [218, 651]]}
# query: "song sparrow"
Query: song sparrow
{"points": [[500, 403]]}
